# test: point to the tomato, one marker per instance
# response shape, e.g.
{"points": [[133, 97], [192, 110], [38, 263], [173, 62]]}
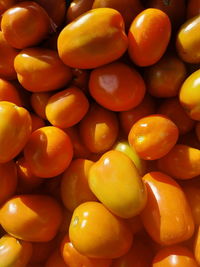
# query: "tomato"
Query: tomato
{"points": [[165, 78], [15, 129], [34, 218], [189, 95], [80, 79], [48, 152], [135, 224], [77, 8], [198, 130], [90, 221], [188, 41], [33, 64], [37, 122], [116, 86], [155, 25], [67, 107], [7, 54], [14, 252], [95, 38], [193, 8], [39, 102], [174, 256], [153, 136], [182, 162], [55, 260], [8, 92], [99, 129], [166, 203], [25, 24], [5, 4], [8, 180], [115, 181], [197, 245]]}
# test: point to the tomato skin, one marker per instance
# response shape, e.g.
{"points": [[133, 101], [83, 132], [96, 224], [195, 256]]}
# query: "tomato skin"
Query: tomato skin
{"points": [[193, 8], [5, 4], [15, 128], [117, 87], [34, 218], [8, 92], [55, 260], [173, 256], [77, 8], [39, 102], [188, 41], [155, 25], [25, 24], [95, 38], [33, 64], [166, 200], [84, 232], [37, 122], [48, 152], [196, 245], [14, 252]]}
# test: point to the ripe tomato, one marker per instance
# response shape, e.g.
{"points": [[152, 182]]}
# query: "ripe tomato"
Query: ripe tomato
{"points": [[39, 102], [37, 122], [34, 218], [5, 4], [55, 260], [77, 8], [8, 92], [197, 245], [197, 129], [193, 8]]}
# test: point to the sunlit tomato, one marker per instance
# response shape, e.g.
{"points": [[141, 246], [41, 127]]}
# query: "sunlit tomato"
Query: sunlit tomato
{"points": [[189, 95], [115, 181], [173, 109], [75, 259], [193, 8], [8, 92], [124, 147], [7, 55], [15, 129], [8, 180], [99, 129], [174, 256], [55, 260], [25, 24], [197, 129], [117, 86], [14, 252], [165, 78], [167, 216], [39, 102], [5, 4], [128, 9], [48, 152], [95, 38], [197, 246], [33, 218], [34, 64], [95, 232], [188, 41], [74, 186], [77, 8], [153, 136], [67, 107], [37, 122], [182, 162], [155, 25]]}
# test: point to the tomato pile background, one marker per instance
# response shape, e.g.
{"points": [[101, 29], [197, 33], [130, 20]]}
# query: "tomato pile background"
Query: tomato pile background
{"points": [[100, 133]]}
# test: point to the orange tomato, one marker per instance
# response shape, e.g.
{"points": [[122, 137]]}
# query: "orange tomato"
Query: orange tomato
{"points": [[197, 246], [99, 129], [155, 25], [193, 8], [14, 252], [34, 64], [165, 78], [67, 107], [80, 79], [25, 24], [135, 224], [153, 136], [77, 8], [15, 128], [167, 216], [74, 186], [8, 180], [37, 122], [174, 256], [34, 218], [8, 92], [182, 162], [5, 4], [95, 38], [90, 221], [117, 86], [48, 152], [39, 102], [55, 260]]}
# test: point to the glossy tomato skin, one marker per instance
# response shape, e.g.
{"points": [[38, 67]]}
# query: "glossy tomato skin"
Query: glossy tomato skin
{"points": [[155, 25], [33, 64], [85, 229], [39, 102], [8, 92], [77, 8], [15, 128], [48, 152], [5, 4], [34, 218], [14, 252], [93, 39], [166, 201], [197, 245], [188, 41], [37, 122], [117, 86], [25, 24]]}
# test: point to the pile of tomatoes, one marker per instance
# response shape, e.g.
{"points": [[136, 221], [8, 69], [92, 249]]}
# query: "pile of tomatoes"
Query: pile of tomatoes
{"points": [[100, 133]]}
